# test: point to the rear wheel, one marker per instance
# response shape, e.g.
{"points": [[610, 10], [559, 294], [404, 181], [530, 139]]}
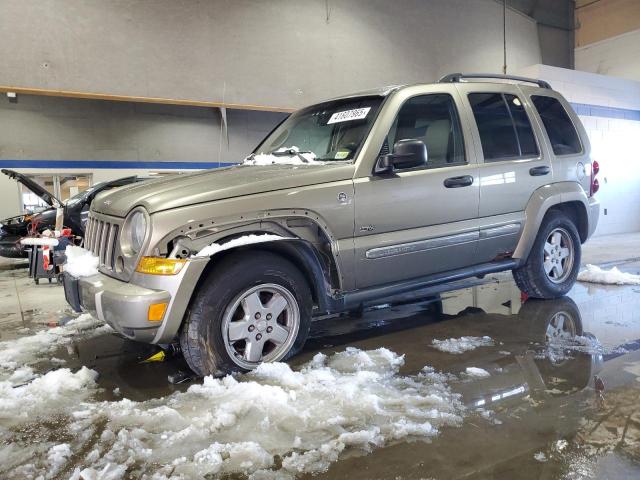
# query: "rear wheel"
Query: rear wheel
{"points": [[554, 261], [254, 307]]}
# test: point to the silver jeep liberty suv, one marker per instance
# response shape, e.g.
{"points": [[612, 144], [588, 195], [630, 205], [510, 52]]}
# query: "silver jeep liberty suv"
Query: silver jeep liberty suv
{"points": [[343, 204]]}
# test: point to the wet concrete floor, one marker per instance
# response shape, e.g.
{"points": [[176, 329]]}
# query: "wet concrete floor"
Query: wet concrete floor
{"points": [[535, 417]]}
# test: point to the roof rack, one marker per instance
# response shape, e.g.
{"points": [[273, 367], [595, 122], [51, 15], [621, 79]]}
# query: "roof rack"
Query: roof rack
{"points": [[457, 77]]}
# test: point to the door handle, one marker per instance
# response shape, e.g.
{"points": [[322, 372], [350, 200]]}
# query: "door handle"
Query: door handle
{"points": [[538, 171], [457, 182]]}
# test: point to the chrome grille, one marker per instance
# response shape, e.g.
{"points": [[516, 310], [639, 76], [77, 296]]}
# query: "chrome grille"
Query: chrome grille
{"points": [[101, 236]]}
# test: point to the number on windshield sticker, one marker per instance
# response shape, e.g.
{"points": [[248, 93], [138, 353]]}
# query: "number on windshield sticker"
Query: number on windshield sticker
{"points": [[349, 115]]}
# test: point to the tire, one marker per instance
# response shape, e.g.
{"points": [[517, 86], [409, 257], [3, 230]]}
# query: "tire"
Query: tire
{"points": [[234, 299], [532, 277]]}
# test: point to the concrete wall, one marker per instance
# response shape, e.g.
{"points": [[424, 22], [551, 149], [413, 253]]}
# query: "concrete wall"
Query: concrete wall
{"points": [[556, 25], [69, 129], [282, 53], [609, 108], [618, 56], [49, 129]]}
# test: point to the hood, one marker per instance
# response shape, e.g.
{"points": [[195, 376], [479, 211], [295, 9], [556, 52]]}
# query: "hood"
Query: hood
{"points": [[217, 184], [34, 187]]}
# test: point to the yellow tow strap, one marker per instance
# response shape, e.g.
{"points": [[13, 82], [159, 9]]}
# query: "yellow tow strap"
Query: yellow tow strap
{"points": [[156, 357]]}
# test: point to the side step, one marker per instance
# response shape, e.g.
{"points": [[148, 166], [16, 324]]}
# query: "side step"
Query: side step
{"points": [[356, 298]]}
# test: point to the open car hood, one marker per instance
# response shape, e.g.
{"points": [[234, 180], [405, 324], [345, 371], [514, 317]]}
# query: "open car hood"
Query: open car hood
{"points": [[33, 186]]}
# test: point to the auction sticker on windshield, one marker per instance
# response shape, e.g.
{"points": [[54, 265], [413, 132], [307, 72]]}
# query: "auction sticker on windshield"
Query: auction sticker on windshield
{"points": [[349, 115]]}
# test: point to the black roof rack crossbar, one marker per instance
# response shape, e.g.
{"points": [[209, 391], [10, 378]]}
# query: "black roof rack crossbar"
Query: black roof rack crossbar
{"points": [[457, 77]]}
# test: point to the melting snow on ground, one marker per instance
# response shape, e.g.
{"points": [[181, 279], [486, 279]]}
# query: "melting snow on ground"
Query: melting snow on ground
{"points": [[273, 421], [595, 274], [80, 262], [236, 242], [540, 456], [294, 157], [45, 393], [477, 372], [561, 349], [16, 355], [462, 344]]}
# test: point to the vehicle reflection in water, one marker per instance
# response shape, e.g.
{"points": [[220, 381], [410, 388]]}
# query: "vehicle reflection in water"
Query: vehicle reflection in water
{"points": [[542, 363]]}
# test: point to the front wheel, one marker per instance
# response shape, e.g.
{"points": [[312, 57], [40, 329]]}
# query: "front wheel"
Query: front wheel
{"points": [[554, 261], [253, 308]]}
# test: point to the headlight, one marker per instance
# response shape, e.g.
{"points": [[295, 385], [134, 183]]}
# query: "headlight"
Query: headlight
{"points": [[137, 231], [134, 232]]}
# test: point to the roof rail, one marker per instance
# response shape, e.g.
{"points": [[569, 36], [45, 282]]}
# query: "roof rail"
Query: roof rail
{"points": [[457, 77]]}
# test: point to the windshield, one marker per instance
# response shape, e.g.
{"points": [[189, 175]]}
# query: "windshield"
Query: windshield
{"points": [[330, 131]]}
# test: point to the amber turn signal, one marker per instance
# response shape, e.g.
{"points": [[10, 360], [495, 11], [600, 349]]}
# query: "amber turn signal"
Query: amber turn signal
{"points": [[156, 312], [160, 266]]}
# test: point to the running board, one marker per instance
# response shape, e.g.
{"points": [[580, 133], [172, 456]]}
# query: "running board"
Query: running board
{"points": [[352, 300]]}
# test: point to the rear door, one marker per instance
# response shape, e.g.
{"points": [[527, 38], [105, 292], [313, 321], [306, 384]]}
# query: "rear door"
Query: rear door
{"points": [[513, 163], [417, 221]]}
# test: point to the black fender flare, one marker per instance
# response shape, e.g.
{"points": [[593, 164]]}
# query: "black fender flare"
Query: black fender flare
{"points": [[305, 256]]}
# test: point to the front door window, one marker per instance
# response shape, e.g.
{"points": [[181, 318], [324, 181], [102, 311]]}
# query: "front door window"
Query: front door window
{"points": [[433, 119]]}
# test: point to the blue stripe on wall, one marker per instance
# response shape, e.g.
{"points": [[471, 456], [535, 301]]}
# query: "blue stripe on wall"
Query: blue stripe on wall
{"points": [[587, 110], [110, 164]]}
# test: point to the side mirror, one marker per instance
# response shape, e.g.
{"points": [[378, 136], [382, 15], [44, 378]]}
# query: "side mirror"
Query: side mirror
{"points": [[407, 153]]}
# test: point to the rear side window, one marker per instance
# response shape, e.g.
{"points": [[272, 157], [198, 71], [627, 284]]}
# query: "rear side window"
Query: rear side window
{"points": [[562, 134], [505, 129]]}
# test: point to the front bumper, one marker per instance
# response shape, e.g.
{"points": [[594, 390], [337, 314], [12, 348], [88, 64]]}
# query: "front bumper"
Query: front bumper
{"points": [[125, 305]]}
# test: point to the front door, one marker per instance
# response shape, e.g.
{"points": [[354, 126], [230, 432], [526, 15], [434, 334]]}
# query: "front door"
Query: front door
{"points": [[419, 221]]}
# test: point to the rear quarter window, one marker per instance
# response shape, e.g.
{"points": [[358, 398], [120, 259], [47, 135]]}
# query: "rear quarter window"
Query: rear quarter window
{"points": [[559, 127]]}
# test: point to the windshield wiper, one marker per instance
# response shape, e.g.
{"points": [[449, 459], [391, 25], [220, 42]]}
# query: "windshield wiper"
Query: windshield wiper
{"points": [[291, 152]]}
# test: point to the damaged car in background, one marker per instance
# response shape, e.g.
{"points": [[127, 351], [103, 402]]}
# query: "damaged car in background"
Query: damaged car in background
{"points": [[343, 204], [75, 213]]}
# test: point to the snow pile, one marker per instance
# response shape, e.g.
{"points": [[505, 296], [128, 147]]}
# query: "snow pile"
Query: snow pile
{"points": [[462, 344], [595, 274], [30, 349], [236, 242], [477, 372], [44, 396], [294, 157], [58, 456], [80, 262], [21, 375], [271, 423]]}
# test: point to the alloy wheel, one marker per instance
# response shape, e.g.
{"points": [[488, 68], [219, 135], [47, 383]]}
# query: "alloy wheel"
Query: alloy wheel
{"points": [[260, 325], [558, 255]]}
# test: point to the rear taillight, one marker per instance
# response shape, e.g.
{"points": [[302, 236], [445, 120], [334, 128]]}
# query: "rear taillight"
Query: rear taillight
{"points": [[595, 185]]}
